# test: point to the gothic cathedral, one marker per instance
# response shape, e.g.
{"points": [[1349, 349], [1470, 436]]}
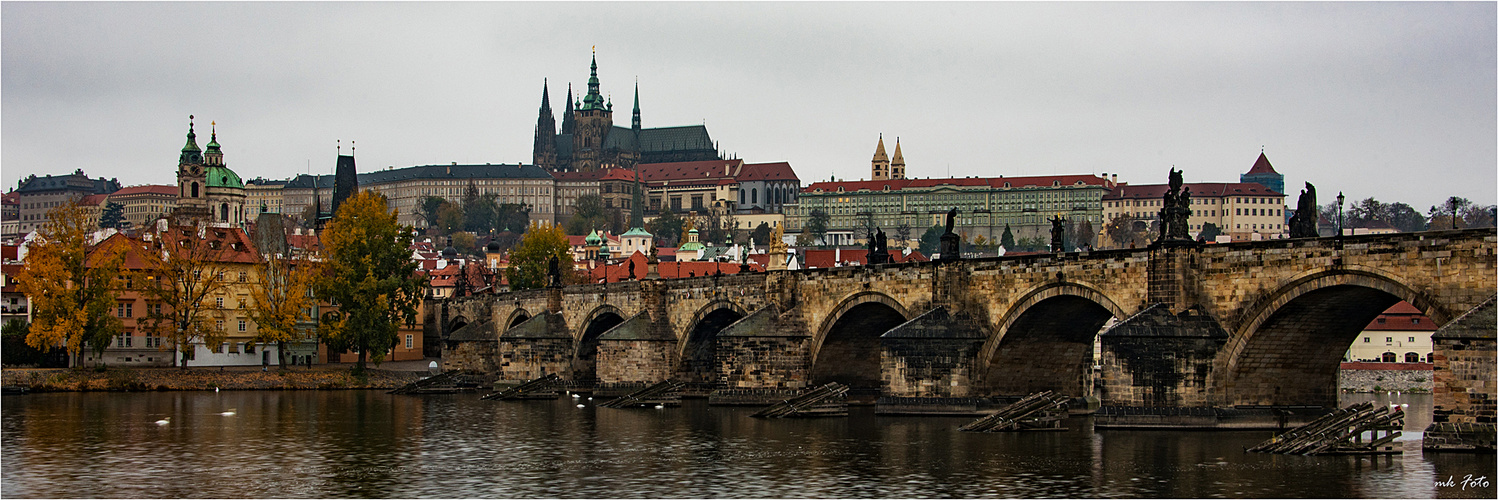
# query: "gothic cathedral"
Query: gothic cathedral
{"points": [[590, 141]]}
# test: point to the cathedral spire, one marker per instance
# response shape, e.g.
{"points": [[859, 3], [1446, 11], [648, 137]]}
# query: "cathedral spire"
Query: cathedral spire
{"points": [[567, 124], [635, 119], [593, 100], [544, 150]]}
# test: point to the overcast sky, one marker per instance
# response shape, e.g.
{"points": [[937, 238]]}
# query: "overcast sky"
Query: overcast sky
{"points": [[1390, 100]]}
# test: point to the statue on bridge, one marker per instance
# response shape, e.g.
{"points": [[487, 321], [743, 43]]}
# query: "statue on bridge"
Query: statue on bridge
{"points": [[951, 243], [878, 250], [1303, 223], [1175, 213], [554, 271], [1058, 234]]}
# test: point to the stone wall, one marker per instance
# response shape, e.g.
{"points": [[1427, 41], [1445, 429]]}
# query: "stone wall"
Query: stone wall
{"points": [[1382, 377], [634, 361], [763, 362], [473, 356], [527, 359]]}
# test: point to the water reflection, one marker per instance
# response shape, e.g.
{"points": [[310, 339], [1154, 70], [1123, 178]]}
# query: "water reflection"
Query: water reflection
{"points": [[369, 444]]}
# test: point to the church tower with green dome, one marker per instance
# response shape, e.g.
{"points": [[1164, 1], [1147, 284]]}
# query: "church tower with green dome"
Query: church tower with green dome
{"points": [[208, 191]]}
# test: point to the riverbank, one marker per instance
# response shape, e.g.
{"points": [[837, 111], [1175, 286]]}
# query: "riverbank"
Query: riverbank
{"points": [[203, 379]]}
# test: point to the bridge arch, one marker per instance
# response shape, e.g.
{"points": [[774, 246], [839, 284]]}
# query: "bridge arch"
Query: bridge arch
{"points": [[1045, 341], [1289, 347], [585, 358], [516, 317], [456, 322], [696, 352], [846, 348]]}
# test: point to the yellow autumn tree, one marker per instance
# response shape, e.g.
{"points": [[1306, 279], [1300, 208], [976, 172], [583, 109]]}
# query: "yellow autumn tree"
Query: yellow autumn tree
{"points": [[281, 301], [184, 271], [71, 288], [530, 262]]}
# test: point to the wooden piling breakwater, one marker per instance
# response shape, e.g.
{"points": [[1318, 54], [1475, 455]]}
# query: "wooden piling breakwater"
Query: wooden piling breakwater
{"points": [[826, 401], [1038, 411], [444, 383], [544, 387], [667, 393], [1360, 429]]}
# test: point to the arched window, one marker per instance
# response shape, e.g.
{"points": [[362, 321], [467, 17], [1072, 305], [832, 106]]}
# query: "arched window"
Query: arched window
{"points": [[194, 190], [1430, 357], [1390, 357], [223, 212], [1411, 357], [754, 196], [741, 197]]}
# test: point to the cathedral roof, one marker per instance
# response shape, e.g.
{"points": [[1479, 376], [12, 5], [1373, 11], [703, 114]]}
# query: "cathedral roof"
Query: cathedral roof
{"points": [[675, 138]]}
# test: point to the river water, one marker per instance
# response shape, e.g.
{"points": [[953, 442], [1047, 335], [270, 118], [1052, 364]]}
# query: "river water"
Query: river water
{"points": [[302, 444]]}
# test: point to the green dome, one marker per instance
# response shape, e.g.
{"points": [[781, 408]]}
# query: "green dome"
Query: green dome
{"points": [[593, 238], [637, 231], [219, 176]]}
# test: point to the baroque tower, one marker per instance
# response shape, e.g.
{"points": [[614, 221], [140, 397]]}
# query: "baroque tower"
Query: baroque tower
{"points": [[881, 161], [594, 119], [192, 179]]}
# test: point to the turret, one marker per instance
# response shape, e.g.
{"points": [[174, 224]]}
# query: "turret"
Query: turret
{"points": [[881, 162], [897, 166]]}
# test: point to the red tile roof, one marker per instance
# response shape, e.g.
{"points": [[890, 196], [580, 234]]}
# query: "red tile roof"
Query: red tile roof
{"points": [[147, 189], [993, 182], [667, 270], [618, 174], [8, 252], [1262, 166], [11, 198], [780, 171], [592, 175], [1401, 317], [1125, 191], [92, 200], [687, 170]]}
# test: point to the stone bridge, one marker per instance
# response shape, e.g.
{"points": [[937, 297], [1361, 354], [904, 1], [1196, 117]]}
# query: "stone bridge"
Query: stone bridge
{"points": [[1254, 323]]}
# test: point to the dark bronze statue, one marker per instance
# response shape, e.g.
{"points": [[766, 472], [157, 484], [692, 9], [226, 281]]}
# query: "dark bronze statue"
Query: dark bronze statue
{"points": [[554, 271], [1303, 222], [1058, 234], [951, 244], [1175, 213]]}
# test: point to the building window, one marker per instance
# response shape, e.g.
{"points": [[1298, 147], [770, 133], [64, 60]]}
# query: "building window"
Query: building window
{"points": [[1430, 357], [410, 341], [1412, 339], [1380, 321], [219, 325], [1415, 320], [219, 301], [243, 326], [1389, 339], [1366, 339], [241, 277], [1411, 357], [1389, 357]]}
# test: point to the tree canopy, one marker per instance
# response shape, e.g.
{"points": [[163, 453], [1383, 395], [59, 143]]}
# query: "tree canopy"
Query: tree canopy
{"points": [[530, 260], [184, 270], [369, 277], [281, 300], [71, 289]]}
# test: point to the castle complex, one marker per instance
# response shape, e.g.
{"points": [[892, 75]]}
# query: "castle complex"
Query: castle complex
{"points": [[590, 141]]}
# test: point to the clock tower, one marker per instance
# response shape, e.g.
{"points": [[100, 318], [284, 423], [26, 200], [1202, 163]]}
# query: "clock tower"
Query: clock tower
{"points": [[192, 179]]}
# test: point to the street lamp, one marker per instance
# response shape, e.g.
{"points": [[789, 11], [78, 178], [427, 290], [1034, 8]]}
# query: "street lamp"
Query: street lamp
{"points": [[1452, 203], [1340, 199]]}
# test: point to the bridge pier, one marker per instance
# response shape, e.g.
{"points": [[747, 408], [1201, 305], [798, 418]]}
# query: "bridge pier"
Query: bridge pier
{"points": [[761, 359], [536, 347], [1466, 393], [633, 355]]}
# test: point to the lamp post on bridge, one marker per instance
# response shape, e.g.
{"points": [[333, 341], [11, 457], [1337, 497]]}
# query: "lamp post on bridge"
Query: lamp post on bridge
{"points": [[1340, 199]]}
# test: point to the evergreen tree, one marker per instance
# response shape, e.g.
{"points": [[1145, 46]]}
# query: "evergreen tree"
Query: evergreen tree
{"points": [[1007, 239], [113, 216], [931, 240]]}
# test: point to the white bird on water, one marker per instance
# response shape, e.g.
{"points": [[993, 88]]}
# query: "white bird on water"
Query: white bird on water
{"points": [[229, 413], [582, 406], [659, 406], [164, 421]]}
